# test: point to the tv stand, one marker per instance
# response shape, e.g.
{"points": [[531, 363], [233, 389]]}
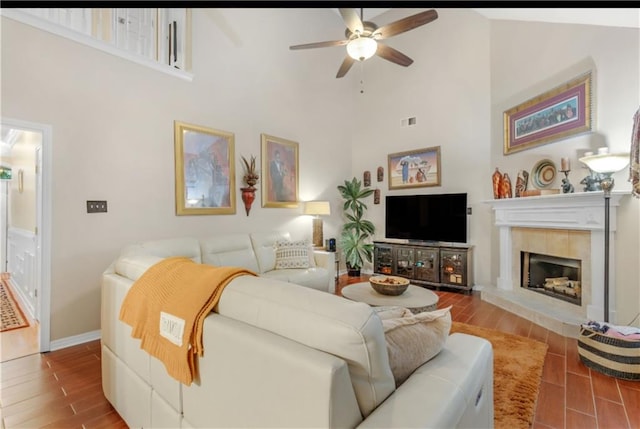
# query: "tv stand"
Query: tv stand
{"points": [[426, 264]]}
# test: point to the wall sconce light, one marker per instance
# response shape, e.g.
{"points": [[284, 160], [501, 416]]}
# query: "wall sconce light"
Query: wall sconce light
{"points": [[606, 164], [317, 209]]}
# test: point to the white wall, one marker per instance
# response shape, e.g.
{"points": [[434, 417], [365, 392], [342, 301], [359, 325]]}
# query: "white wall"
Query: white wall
{"points": [[528, 59], [447, 90], [112, 124]]}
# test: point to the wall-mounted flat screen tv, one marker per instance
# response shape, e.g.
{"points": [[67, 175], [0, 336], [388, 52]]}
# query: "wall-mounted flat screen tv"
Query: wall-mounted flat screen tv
{"points": [[431, 217]]}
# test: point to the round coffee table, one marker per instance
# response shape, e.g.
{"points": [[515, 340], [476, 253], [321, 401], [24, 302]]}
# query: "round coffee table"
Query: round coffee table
{"points": [[415, 298]]}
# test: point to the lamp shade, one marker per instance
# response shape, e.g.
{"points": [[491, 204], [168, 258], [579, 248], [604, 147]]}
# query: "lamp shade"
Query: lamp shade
{"points": [[317, 208], [606, 162], [362, 48]]}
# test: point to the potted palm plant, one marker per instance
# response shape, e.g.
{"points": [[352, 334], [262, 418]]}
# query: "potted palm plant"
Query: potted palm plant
{"points": [[354, 241]]}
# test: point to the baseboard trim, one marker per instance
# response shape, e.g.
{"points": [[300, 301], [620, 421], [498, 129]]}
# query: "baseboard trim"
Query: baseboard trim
{"points": [[74, 340]]}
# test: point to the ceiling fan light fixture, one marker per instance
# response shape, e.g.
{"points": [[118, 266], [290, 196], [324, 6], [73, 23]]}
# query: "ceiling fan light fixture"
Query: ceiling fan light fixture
{"points": [[362, 48]]}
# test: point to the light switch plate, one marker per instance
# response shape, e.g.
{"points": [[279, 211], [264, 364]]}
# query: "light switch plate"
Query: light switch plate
{"points": [[96, 206]]}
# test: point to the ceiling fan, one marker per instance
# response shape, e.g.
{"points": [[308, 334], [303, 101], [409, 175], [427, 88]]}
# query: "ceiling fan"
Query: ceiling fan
{"points": [[363, 38]]}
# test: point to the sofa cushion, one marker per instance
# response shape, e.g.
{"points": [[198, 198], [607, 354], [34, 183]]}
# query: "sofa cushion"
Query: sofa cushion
{"points": [[265, 249], [413, 339], [326, 322], [315, 278], [292, 254], [184, 246], [132, 267], [229, 250]]}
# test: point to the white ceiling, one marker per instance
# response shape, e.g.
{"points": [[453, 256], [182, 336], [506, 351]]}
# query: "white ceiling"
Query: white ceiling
{"points": [[613, 17]]}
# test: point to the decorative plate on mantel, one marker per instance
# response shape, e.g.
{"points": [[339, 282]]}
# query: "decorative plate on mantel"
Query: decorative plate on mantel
{"points": [[543, 173]]}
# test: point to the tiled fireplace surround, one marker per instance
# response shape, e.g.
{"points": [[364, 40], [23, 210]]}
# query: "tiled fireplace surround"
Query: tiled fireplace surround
{"points": [[565, 225]]}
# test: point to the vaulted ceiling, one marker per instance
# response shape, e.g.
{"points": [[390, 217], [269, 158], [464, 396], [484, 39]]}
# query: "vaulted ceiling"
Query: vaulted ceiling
{"points": [[614, 17]]}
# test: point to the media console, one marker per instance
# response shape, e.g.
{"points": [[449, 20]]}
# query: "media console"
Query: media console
{"points": [[426, 264]]}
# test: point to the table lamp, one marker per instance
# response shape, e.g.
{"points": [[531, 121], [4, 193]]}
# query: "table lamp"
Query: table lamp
{"points": [[317, 209], [606, 164]]}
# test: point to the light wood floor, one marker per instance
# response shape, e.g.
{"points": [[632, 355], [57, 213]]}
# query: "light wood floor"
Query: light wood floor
{"points": [[19, 342], [63, 389]]}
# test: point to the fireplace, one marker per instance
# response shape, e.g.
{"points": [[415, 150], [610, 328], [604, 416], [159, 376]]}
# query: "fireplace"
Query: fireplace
{"points": [[554, 276], [568, 226]]}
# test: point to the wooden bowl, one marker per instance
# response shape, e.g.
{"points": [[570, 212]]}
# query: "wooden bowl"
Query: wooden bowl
{"points": [[389, 285]]}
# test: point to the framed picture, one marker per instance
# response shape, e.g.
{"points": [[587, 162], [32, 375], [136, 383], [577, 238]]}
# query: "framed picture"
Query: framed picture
{"points": [[557, 114], [205, 173], [415, 168], [279, 172]]}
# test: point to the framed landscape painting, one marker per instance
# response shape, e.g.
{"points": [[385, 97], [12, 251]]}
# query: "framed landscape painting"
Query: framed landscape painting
{"points": [[279, 172], [557, 114], [415, 168], [205, 173]]}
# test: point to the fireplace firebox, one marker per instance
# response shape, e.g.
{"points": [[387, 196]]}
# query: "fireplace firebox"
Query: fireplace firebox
{"points": [[553, 276]]}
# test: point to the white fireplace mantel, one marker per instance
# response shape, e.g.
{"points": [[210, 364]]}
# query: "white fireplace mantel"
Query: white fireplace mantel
{"points": [[582, 210], [575, 211]]}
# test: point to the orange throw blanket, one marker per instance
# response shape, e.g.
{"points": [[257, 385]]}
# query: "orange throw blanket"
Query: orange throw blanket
{"points": [[166, 308]]}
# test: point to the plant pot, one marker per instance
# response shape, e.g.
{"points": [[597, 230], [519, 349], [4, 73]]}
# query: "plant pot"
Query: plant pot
{"points": [[353, 272]]}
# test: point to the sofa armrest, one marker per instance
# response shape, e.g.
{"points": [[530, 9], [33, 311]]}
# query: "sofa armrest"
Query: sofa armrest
{"points": [[327, 260], [418, 404], [454, 389]]}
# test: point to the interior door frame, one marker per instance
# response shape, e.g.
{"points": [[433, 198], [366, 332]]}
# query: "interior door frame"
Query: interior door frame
{"points": [[43, 225]]}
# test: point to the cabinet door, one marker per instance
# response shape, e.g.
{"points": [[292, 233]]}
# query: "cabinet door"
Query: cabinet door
{"points": [[383, 259], [453, 267], [427, 264], [404, 262]]}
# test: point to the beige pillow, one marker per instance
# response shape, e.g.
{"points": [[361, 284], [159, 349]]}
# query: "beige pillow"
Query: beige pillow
{"points": [[293, 254], [413, 339]]}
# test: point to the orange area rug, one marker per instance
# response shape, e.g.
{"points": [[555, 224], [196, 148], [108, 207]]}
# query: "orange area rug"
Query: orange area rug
{"points": [[517, 373]]}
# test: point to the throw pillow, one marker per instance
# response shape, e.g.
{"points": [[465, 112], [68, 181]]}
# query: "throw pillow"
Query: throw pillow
{"points": [[312, 258], [413, 339], [292, 254]]}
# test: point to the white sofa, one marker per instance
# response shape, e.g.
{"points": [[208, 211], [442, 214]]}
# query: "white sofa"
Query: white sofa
{"points": [[254, 251], [280, 355]]}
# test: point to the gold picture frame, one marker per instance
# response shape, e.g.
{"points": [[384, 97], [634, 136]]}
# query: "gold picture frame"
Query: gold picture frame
{"points": [[557, 114], [414, 168], [205, 170], [280, 172]]}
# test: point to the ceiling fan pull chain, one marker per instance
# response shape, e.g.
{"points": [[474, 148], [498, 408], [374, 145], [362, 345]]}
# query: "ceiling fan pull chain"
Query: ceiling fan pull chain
{"points": [[361, 77]]}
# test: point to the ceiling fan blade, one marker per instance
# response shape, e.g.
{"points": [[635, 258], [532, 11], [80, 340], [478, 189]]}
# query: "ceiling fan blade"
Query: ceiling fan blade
{"points": [[320, 44], [345, 66], [393, 55], [351, 19], [405, 24]]}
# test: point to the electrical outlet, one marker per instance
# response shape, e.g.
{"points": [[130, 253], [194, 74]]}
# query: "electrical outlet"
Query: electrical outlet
{"points": [[468, 210], [96, 206]]}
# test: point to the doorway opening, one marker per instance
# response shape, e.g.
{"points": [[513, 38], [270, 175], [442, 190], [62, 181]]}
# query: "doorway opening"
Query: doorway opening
{"points": [[25, 248]]}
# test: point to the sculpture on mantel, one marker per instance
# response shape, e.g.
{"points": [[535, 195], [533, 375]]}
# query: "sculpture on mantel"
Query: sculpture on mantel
{"points": [[250, 179], [522, 182], [497, 183], [506, 189]]}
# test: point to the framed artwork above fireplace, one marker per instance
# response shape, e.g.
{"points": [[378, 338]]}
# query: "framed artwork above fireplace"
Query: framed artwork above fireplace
{"points": [[559, 113]]}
